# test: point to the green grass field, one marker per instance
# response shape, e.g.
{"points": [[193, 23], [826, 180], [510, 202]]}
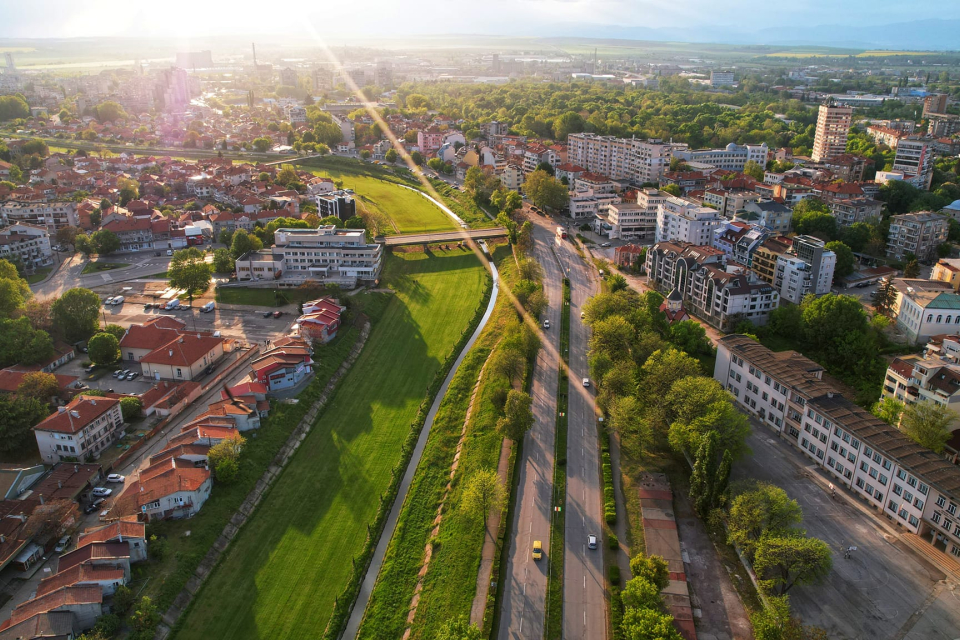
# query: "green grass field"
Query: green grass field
{"points": [[39, 275], [407, 211], [97, 267], [283, 572]]}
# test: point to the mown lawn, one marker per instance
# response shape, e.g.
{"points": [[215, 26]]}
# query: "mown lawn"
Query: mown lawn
{"points": [[281, 576], [39, 275], [387, 610], [407, 211]]}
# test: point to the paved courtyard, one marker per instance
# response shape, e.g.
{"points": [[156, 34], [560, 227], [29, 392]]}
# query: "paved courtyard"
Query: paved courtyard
{"points": [[884, 591]]}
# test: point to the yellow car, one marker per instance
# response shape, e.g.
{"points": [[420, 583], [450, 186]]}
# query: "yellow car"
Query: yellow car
{"points": [[537, 549]]}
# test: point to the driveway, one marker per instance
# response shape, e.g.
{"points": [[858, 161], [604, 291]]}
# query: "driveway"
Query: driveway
{"points": [[883, 591]]}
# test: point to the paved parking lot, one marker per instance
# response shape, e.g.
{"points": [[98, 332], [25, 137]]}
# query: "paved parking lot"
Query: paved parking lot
{"points": [[884, 591], [247, 325]]}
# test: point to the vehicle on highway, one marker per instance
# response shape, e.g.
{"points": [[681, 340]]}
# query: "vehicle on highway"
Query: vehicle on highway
{"points": [[267, 314], [93, 506], [62, 544], [207, 308], [537, 549], [591, 541], [102, 491], [277, 314], [546, 324], [586, 382], [116, 477]]}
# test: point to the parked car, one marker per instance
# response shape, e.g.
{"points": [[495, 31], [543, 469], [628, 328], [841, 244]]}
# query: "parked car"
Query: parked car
{"points": [[102, 491], [116, 477], [277, 314], [207, 308], [108, 301], [93, 506], [156, 253], [132, 375], [148, 306], [605, 244], [62, 544], [90, 368], [120, 373], [169, 252], [591, 541]]}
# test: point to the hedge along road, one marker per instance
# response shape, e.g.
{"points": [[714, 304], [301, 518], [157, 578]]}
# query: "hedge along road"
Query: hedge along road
{"points": [[281, 576], [366, 588]]}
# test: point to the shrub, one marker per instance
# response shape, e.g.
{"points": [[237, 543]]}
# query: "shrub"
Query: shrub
{"points": [[613, 543], [123, 599], [613, 573]]}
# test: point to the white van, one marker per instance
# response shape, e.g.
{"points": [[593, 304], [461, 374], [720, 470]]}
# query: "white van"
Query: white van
{"points": [[118, 300], [207, 308], [169, 252], [173, 304]]}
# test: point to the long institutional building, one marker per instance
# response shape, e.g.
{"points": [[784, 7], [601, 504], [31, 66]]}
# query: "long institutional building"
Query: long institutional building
{"points": [[910, 484]]}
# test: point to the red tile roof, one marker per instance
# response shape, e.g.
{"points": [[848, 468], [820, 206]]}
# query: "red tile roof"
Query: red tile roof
{"points": [[186, 350], [95, 551], [11, 379], [112, 532], [65, 597], [79, 574], [81, 411]]}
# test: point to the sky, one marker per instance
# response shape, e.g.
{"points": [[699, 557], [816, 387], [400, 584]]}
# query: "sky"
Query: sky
{"points": [[184, 19]]}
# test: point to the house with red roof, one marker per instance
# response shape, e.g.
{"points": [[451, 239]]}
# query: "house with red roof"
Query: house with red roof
{"points": [[169, 490], [126, 530], [101, 554], [81, 430], [106, 578], [283, 367], [85, 602], [135, 234], [320, 320]]}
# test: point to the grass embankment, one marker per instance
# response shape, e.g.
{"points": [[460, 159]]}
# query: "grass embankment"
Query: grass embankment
{"points": [[291, 562], [97, 267], [450, 582], [39, 275], [463, 205], [553, 625], [377, 192], [188, 541]]}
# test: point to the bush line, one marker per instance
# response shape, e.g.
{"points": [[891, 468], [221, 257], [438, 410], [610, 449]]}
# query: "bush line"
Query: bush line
{"points": [[609, 499]]}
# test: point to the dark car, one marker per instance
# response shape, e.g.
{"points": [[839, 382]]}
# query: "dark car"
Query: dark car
{"points": [[93, 506], [267, 314], [156, 253]]}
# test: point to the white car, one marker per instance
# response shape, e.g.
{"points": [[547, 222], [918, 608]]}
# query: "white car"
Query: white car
{"points": [[591, 541], [108, 302], [605, 244], [586, 382], [546, 324], [62, 545], [102, 492], [116, 477]]}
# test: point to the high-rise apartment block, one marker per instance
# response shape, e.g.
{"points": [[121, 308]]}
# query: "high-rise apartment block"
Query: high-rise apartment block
{"points": [[629, 159], [833, 125], [915, 159], [934, 103]]}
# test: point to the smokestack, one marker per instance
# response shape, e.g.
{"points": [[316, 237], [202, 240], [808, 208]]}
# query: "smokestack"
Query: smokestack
{"points": [[254, 46]]}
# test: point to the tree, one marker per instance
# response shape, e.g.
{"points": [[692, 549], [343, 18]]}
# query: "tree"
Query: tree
{"points": [[222, 261], [617, 282], [417, 158], [648, 624], [506, 201], [226, 470], [812, 217], [690, 336], [753, 170], [75, 313], [653, 569], [145, 617], [672, 189], [105, 242], [129, 190], [243, 242], [661, 370], [189, 271], [545, 191], [261, 144], [123, 599], [332, 220], [885, 296], [115, 330], [830, 318], [391, 156], [927, 424], [228, 450], [39, 385], [67, 235], [517, 416], [911, 269], [783, 562], [38, 313], [22, 344], [764, 510], [483, 494], [567, 123], [14, 290], [704, 468], [109, 112], [888, 409], [104, 349], [130, 408], [17, 418], [365, 154], [356, 222], [546, 167], [845, 259], [613, 336], [458, 629], [49, 519], [13, 107]]}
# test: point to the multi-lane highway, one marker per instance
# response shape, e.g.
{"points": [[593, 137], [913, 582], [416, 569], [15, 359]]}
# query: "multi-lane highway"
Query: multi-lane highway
{"points": [[524, 595], [584, 604]]}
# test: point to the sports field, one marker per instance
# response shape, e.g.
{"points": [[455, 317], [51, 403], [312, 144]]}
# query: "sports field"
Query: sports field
{"points": [[407, 211], [281, 575]]}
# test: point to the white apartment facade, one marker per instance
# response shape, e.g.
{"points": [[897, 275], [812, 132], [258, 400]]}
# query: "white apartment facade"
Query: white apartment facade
{"points": [[28, 242], [911, 485], [806, 268], [917, 233], [680, 220], [915, 159], [733, 157], [81, 430], [628, 159], [52, 215]]}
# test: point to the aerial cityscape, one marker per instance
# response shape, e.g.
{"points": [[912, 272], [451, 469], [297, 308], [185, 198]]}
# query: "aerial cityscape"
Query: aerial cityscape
{"points": [[545, 320]]}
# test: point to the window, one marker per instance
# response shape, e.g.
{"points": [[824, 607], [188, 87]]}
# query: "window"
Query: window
{"points": [[864, 466], [860, 482], [733, 374], [887, 465], [941, 501], [901, 474], [867, 451], [892, 506], [820, 453], [912, 481], [873, 473], [883, 479], [179, 373], [819, 419], [913, 519], [903, 514], [855, 444], [803, 442], [918, 503], [830, 461], [947, 523], [907, 496], [923, 488], [952, 509], [834, 446], [846, 437], [868, 488], [936, 517]]}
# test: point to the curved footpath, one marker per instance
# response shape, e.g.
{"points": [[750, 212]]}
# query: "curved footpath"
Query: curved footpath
{"points": [[373, 571]]}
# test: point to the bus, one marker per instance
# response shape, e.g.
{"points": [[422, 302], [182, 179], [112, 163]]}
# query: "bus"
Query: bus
{"points": [[561, 233]]}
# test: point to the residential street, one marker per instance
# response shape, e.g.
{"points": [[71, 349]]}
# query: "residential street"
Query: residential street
{"points": [[143, 264], [584, 602], [522, 609]]}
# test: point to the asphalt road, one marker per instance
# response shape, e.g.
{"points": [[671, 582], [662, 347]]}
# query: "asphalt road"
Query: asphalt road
{"points": [[883, 591], [584, 603], [68, 276], [524, 595]]}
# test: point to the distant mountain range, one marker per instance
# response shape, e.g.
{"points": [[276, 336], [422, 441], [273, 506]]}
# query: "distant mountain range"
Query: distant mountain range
{"points": [[923, 35]]}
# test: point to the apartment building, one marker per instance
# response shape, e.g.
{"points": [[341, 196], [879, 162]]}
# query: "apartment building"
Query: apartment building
{"points": [[765, 257], [628, 159], [722, 79], [932, 377], [585, 203], [733, 157], [917, 233], [52, 215], [925, 308], [785, 391], [680, 220], [806, 268], [833, 127], [29, 243], [947, 270], [325, 255], [728, 201], [768, 214], [915, 159], [717, 293], [739, 240], [635, 220], [79, 431], [847, 211], [135, 234]]}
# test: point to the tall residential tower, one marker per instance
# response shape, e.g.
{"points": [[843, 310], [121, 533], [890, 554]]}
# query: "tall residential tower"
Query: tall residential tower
{"points": [[833, 125]]}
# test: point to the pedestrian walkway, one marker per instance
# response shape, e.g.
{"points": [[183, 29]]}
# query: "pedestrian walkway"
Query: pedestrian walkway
{"points": [[490, 546]]}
